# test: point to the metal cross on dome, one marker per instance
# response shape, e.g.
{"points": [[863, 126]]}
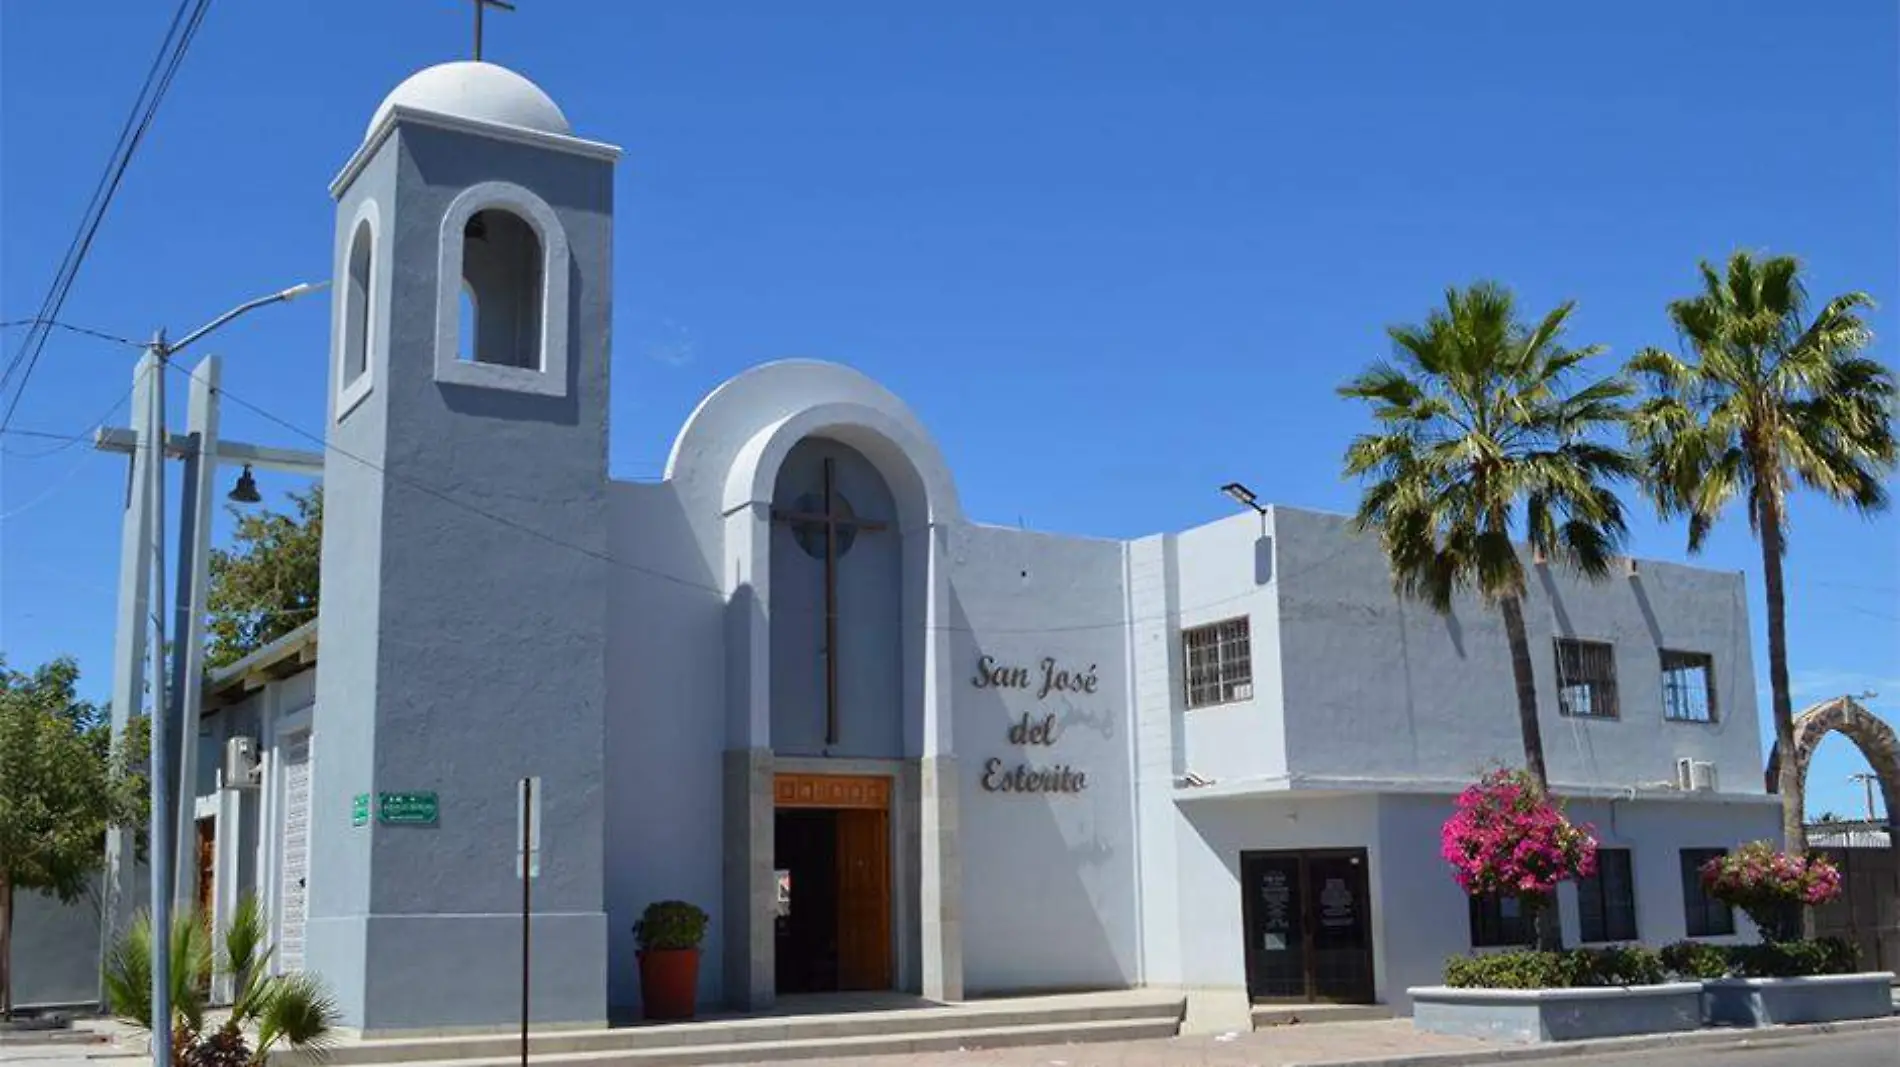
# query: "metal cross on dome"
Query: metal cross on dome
{"points": [[480, 7]]}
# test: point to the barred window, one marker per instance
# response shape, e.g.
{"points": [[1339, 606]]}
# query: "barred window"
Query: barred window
{"points": [[1688, 683], [1219, 663], [1704, 915], [1499, 921], [1586, 679], [1606, 901]]}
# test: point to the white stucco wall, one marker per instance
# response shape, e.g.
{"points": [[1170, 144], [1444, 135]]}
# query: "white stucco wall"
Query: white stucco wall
{"points": [[1225, 570], [1419, 915], [1049, 894]]}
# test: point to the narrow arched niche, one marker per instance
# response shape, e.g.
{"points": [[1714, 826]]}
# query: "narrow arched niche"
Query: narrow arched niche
{"points": [[356, 301], [503, 293]]}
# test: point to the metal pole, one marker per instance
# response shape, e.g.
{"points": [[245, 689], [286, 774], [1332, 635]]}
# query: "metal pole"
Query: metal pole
{"points": [[159, 846], [527, 882]]}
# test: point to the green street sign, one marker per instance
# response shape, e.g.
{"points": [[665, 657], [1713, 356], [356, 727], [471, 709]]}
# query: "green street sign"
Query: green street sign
{"points": [[406, 809], [359, 810]]}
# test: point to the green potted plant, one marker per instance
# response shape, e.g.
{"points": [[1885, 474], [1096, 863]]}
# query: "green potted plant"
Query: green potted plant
{"points": [[669, 933]]}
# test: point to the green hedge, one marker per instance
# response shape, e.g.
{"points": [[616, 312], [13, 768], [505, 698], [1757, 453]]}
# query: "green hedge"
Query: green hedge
{"points": [[1776, 959], [1625, 965], [1617, 965]]}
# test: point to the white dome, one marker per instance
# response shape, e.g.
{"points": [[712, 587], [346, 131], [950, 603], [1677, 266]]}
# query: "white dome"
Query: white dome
{"points": [[481, 91]]}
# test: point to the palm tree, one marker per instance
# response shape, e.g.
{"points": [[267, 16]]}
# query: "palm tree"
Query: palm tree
{"points": [[1479, 437], [1764, 399], [289, 1008]]}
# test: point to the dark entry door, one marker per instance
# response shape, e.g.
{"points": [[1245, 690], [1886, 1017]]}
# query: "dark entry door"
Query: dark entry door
{"points": [[1308, 922]]}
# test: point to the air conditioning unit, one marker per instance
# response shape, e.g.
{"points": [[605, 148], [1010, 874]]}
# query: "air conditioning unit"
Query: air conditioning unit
{"points": [[1702, 776], [1695, 776], [241, 770]]}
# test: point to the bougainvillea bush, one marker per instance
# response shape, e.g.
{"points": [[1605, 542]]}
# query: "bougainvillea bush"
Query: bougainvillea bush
{"points": [[1508, 839], [1771, 886]]}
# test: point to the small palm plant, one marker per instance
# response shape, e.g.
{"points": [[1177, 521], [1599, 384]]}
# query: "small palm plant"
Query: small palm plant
{"points": [[266, 1009]]}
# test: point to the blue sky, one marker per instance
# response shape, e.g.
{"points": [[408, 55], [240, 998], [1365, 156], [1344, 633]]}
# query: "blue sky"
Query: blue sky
{"points": [[1115, 254]]}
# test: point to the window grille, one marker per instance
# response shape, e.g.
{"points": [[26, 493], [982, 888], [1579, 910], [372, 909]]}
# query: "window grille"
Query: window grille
{"points": [[1688, 686], [1219, 663], [1586, 679], [1704, 915], [1497, 921]]}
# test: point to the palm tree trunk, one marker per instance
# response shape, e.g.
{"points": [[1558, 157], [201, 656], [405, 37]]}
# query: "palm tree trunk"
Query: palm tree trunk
{"points": [[1549, 921], [1794, 832], [1528, 728]]}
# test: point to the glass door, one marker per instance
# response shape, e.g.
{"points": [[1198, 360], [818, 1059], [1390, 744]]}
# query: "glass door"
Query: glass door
{"points": [[1308, 923]]}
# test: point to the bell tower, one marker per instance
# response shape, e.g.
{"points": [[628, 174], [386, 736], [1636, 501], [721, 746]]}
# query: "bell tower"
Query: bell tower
{"points": [[462, 631]]}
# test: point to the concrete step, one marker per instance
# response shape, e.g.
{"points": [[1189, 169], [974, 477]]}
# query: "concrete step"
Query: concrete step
{"points": [[1047, 1018], [1266, 1015], [877, 1044]]}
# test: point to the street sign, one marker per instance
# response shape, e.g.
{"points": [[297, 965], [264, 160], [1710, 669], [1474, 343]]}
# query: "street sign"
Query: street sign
{"points": [[406, 809], [528, 836], [359, 810]]}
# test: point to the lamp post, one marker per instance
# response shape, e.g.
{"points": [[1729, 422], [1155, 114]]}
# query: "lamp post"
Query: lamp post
{"points": [[1263, 546], [154, 442]]}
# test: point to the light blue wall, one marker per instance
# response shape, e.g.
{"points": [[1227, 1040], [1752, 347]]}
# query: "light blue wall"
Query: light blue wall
{"points": [[465, 594], [871, 709], [1049, 880], [1378, 689], [665, 729], [55, 950]]}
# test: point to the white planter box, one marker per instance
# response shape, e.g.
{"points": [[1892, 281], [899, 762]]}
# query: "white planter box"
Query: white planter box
{"points": [[1557, 1014], [1822, 998]]}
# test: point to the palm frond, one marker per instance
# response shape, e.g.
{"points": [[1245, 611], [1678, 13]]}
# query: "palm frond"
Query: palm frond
{"points": [[298, 1009], [127, 973]]}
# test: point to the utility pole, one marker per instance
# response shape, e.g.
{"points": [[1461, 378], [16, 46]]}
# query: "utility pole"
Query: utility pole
{"points": [[1867, 779], [157, 354]]}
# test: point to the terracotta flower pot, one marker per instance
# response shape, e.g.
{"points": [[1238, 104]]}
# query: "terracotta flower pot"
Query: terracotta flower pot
{"points": [[669, 982]]}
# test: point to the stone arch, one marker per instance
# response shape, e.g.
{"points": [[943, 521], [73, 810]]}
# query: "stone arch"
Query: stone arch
{"points": [[1871, 734]]}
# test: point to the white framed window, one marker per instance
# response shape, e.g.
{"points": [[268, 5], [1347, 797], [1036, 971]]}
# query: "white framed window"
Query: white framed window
{"points": [[1219, 658], [356, 310], [502, 277]]}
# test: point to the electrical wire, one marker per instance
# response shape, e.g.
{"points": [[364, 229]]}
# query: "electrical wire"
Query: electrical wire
{"points": [[689, 583], [56, 324], [158, 80]]}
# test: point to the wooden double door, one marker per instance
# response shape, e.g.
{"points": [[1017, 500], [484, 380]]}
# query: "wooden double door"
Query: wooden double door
{"points": [[832, 855], [1308, 921]]}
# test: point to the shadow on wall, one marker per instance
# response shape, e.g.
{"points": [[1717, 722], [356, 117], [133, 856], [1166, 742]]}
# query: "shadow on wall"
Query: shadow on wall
{"points": [[666, 733], [1048, 877]]}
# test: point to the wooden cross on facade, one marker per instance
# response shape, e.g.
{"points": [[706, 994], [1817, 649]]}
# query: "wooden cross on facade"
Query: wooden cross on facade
{"points": [[833, 522], [480, 7]]}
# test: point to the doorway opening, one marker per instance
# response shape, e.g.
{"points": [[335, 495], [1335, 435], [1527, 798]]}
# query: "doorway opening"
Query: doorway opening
{"points": [[832, 856], [1308, 922]]}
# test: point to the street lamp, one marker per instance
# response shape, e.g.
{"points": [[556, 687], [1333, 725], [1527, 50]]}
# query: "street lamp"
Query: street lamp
{"points": [[1263, 547], [155, 443]]}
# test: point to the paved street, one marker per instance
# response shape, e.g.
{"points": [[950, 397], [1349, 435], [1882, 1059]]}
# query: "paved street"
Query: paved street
{"points": [[1875, 1049]]}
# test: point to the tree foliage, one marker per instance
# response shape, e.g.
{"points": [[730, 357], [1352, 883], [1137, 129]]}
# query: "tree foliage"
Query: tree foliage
{"points": [[1764, 398], [266, 1009], [265, 586], [1479, 437], [62, 783]]}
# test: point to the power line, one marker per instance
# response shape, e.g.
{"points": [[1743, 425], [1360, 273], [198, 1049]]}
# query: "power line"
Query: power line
{"points": [[56, 324], [689, 583], [68, 440], [158, 80]]}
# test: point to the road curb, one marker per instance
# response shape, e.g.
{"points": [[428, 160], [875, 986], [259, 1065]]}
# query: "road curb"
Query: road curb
{"points": [[1550, 1050]]}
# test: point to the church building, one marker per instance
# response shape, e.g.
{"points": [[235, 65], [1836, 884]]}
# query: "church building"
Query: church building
{"points": [[885, 745]]}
